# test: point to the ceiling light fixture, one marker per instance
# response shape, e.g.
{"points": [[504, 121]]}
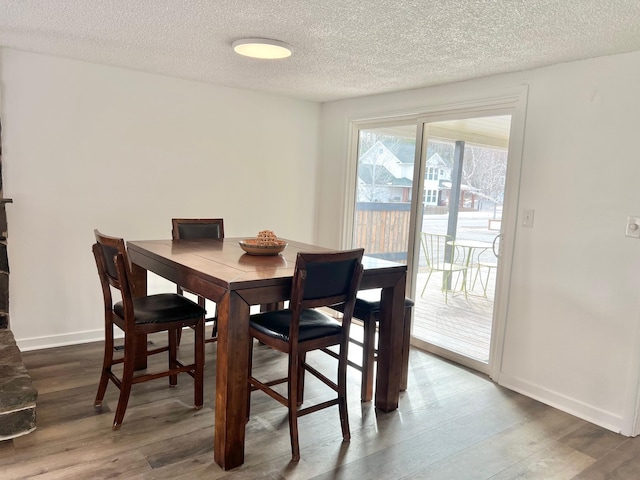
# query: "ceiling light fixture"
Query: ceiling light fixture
{"points": [[262, 48]]}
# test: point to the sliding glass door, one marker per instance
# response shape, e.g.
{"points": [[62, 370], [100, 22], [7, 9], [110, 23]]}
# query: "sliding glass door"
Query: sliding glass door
{"points": [[430, 192], [459, 221]]}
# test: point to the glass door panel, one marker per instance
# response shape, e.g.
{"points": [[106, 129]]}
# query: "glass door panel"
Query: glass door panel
{"points": [[386, 157], [454, 275]]}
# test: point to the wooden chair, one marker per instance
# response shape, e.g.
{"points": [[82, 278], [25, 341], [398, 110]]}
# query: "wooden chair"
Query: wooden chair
{"points": [[193, 228], [138, 316], [367, 310], [320, 279]]}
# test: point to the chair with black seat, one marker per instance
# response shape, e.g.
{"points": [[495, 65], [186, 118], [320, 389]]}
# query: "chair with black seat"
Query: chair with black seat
{"points": [[319, 280], [194, 228], [367, 310], [138, 315]]}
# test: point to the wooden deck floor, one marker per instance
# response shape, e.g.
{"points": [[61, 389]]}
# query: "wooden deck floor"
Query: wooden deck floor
{"points": [[459, 324]]}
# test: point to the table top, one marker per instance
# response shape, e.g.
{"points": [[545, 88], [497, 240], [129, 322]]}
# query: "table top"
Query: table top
{"points": [[470, 243], [224, 263]]}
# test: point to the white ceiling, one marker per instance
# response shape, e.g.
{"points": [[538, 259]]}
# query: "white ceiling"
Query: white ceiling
{"points": [[342, 48]]}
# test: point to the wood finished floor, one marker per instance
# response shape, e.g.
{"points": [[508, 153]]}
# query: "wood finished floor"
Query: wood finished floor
{"points": [[452, 424]]}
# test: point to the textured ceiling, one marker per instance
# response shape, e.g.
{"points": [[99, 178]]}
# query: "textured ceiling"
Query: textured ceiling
{"points": [[342, 48]]}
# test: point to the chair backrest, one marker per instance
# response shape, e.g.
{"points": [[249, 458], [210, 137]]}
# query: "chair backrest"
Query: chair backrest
{"points": [[114, 270], [490, 255], [436, 249], [324, 279], [191, 228]]}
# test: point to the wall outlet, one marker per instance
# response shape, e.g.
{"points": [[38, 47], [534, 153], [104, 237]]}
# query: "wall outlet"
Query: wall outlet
{"points": [[527, 217], [633, 227]]}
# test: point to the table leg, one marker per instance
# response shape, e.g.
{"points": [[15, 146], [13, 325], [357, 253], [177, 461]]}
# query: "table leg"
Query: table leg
{"points": [[139, 280], [390, 346], [231, 380], [406, 344]]}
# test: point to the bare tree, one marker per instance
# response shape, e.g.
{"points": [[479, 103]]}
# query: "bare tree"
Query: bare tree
{"points": [[485, 170]]}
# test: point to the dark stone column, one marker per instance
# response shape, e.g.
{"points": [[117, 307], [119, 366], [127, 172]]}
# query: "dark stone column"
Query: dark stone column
{"points": [[17, 393], [4, 259]]}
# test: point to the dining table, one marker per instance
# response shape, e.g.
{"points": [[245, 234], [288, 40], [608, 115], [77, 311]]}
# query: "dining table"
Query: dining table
{"points": [[221, 271]]}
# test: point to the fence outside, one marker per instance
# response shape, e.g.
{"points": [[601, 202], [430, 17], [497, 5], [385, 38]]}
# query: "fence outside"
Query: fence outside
{"points": [[382, 229]]}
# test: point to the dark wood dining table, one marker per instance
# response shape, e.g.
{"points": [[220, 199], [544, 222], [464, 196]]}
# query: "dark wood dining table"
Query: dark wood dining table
{"points": [[220, 271]]}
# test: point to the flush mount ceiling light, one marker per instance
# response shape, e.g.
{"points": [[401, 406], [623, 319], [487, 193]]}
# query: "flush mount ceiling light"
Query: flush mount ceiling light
{"points": [[262, 48]]}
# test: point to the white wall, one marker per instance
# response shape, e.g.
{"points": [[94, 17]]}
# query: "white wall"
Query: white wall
{"points": [[571, 336], [75, 134], [88, 146]]}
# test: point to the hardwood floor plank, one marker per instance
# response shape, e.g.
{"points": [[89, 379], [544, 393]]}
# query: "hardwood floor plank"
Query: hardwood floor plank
{"points": [[593, 440], [556, 462], [452, 423], [621, 463], [500, 449]]}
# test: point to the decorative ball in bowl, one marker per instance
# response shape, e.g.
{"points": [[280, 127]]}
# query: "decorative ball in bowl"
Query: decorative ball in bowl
{"points": [[266, 243]]}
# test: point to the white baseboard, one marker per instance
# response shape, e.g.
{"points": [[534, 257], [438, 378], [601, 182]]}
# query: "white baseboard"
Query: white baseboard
{"points": [[582, 410], [39, 343]]}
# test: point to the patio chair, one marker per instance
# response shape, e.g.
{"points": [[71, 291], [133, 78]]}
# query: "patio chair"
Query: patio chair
{"points": [[487, 263], [440, 253]]}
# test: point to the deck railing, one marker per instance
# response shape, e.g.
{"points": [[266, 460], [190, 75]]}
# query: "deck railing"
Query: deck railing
{"points": [[382, 229]]}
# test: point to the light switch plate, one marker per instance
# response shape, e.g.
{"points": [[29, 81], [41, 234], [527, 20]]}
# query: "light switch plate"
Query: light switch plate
{"points": [[527, 217], [633, 227]]}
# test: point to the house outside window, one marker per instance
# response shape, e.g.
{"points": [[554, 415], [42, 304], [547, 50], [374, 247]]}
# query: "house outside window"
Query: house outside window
{"points": [[430, 197]]}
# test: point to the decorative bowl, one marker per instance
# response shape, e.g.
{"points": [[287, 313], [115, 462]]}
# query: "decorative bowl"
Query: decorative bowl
{"points": [[252, 247]]}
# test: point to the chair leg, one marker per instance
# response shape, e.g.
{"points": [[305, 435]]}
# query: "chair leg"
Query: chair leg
{"points": [[426, 283], [294, 369], [198, 380], [368, 358], [173, 355], [107, 362], [475, 277], [214, 331], [127, 379], [342, 391], [485, 284], [446, 278], [249, 370], [302, 359], [179, 291]]}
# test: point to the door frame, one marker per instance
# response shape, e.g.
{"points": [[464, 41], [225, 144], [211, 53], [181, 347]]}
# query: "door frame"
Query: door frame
{"points": [[512, 101]]}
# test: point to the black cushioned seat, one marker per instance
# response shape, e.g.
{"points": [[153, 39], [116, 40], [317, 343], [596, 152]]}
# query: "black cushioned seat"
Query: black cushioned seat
{"points": [[313, 324], [138, 315], [161, 308], [367, 310], [368, 301], [319, 280]]}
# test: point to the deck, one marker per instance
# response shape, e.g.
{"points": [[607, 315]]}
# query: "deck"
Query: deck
{"points": [[461, 325]]}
